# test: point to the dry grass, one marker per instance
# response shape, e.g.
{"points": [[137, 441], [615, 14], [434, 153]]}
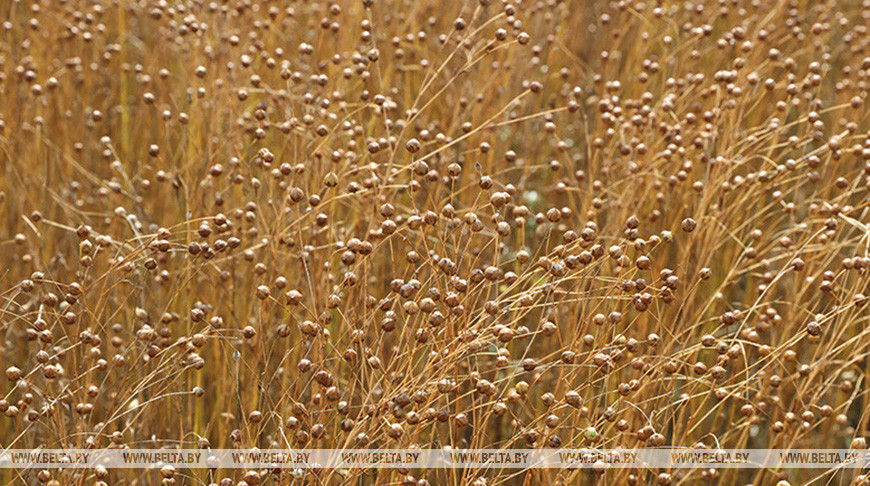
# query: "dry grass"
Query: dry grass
{"points": [[392, 222]]}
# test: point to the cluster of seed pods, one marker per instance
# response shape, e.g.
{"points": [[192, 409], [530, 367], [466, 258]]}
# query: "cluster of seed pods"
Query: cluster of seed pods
{"points": [[483, 224]]}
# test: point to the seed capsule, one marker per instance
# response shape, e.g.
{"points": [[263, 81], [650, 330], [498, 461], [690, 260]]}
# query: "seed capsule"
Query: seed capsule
{"points": [[688, 225]]}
